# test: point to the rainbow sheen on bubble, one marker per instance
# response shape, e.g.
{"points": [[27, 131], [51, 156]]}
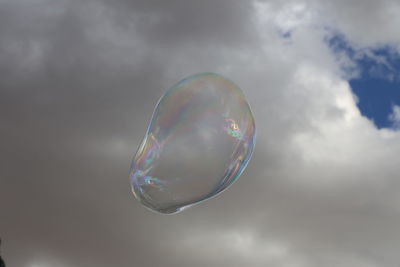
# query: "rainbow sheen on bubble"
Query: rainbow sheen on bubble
{"points": [[198, 142]]}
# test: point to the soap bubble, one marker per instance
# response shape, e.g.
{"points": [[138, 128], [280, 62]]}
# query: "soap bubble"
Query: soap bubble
{"points": [[198, 142]]}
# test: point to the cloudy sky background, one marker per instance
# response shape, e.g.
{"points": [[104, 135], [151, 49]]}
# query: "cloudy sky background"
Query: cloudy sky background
{"points": [[78, 84]]}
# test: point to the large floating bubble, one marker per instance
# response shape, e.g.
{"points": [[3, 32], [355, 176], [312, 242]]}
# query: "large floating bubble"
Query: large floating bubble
{"points": [[198, 142]]}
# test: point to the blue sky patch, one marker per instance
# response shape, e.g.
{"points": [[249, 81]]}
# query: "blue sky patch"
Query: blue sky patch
{"points": [[376, 79]]}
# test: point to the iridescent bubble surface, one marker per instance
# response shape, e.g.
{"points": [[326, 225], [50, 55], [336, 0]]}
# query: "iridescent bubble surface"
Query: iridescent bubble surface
{"points": [[198, 142]]}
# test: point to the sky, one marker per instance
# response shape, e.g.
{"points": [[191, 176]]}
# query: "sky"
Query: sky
{"points": [[78, 84]]}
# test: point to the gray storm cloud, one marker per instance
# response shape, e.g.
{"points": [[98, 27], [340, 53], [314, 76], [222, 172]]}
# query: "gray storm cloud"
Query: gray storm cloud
{"points": [[78, 84]]}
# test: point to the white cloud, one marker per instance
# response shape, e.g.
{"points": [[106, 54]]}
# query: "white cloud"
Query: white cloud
{"points": [[395, 116], [287, 17]]}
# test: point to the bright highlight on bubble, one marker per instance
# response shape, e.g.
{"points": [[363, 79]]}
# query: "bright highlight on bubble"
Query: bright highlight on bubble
{"points": [[198, 142]]}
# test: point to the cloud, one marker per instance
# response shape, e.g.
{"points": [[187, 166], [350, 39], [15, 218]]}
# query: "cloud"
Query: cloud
{"points": [[395, 116], [79, 82]]}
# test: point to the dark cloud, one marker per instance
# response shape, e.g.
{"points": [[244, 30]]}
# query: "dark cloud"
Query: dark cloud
{"points": [[179, 23], [78, 84]]}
